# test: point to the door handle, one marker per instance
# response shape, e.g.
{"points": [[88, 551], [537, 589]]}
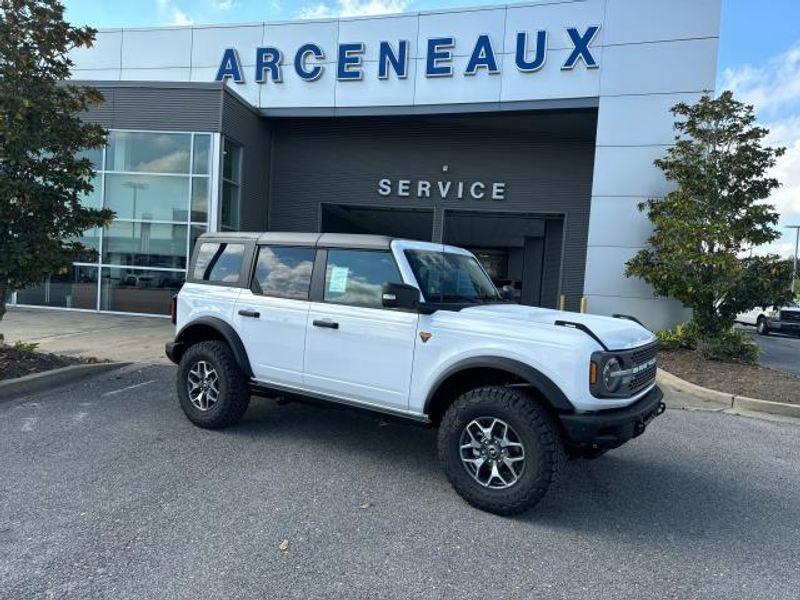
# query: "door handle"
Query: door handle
{"points": [[325, 323], [250, 313]]}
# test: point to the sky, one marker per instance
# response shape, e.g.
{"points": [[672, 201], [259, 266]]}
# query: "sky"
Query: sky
{"points": [[759, 56]]}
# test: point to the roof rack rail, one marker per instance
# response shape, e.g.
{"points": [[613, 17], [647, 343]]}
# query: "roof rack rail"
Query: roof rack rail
{"points": [[583, 328]]}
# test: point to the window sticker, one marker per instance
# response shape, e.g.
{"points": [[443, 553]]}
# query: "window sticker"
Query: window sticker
{"points": [[338, 281]]}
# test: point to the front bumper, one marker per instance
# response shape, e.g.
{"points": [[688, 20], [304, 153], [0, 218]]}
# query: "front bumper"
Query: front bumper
{"points": [[785, 326], [612, 428]]}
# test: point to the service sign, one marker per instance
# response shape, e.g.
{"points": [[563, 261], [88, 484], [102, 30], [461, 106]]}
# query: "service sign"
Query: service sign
{"points": [[308, 60]]}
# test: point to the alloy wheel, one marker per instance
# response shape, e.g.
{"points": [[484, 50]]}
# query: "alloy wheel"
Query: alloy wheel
{"points": [[492, 453], [202, 383]]}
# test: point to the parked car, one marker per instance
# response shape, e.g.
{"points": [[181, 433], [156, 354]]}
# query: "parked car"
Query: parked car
{"points": [[418, 331], [785, 319]]}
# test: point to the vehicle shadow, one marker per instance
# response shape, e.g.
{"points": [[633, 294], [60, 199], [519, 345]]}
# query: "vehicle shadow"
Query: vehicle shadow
{"points": [[626, 493]]}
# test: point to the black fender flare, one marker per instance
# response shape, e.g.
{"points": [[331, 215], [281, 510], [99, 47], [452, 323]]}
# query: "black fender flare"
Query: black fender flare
{"points": [[227, 332], [551, 392]]}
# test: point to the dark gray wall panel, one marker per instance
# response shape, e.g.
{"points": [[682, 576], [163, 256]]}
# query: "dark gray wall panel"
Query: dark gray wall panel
{"points": [[243, 125], [164, 107], [546, 160]]}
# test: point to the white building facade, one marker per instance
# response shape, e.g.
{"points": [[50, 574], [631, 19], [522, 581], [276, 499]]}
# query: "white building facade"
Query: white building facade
{"points": [[549, 116]]}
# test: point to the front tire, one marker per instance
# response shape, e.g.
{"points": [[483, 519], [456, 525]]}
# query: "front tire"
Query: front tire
{"points": [[212, 389], [762, 327], [500, 449]]}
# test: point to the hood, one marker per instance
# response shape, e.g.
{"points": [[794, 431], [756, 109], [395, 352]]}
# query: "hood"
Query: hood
{"points": [[617, 334]]}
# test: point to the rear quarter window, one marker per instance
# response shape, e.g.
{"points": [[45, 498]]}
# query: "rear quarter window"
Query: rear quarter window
{"points": [[219, 263]]}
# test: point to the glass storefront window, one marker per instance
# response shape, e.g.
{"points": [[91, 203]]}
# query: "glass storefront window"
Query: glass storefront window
{"points": [[159, 186], [75, 288], [199, 199], [229, 207], [231, 161], [95, 155], [145, 245], [148, 197], [195, 232], [148, 152], [90, 239], [94, 199], [202, 153], [138, 291]]}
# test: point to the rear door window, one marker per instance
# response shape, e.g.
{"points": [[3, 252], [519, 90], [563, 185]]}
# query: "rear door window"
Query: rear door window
{"points": [[219, 263], [284, 272]]}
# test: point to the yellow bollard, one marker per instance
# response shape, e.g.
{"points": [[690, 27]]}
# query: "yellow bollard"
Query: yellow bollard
{"points": [[562, 301], [584, 302]]}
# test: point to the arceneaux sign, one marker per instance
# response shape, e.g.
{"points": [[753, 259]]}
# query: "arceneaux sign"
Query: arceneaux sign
{"points": [[393, 58]]}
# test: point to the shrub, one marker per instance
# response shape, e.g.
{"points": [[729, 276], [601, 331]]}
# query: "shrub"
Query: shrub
{"points": [[683, 336], [730, 345]]}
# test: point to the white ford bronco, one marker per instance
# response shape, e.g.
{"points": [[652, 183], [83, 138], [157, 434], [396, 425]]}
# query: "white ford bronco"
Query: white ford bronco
{"points": [[415, 330]]}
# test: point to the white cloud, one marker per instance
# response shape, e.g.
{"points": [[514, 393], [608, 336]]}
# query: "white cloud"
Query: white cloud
{"points": [[774, 90], [169, 14], [223, 4], [353, 8]]}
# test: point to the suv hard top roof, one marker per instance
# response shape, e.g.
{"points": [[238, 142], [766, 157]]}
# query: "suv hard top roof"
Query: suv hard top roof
{"points": [[323, 240]]}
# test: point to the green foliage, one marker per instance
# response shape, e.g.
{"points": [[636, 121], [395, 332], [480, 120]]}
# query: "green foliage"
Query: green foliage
{"points": [[729, 345], [25, 347], [715, 216], [683, 336], [42, 176]]}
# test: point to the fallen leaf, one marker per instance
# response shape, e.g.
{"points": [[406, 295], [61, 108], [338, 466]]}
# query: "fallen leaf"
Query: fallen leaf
{"points": [[283, 546], [366, 505]]}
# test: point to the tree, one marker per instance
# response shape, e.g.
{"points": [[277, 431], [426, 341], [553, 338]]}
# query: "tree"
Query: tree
{"points": [[704, 229], [42, 176]]}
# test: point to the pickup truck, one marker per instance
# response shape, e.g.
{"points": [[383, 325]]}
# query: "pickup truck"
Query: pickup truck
{"points": [[417, 331], [783, 319]]}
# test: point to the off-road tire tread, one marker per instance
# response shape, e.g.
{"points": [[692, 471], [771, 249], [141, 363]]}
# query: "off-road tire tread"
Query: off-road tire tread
{"points": [[235, 395], [545, 428]]}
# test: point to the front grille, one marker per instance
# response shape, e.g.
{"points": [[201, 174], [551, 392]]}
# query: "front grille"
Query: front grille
{"points": [[790, 315], [641, 356]]}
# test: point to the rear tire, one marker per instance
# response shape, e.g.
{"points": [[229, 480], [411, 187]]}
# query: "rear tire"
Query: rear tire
{"points": [[470, 463], [212, 389], [762, 327]]}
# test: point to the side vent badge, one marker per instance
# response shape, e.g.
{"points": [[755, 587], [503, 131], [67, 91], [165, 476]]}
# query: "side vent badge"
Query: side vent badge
{"points": [[425, 336]]}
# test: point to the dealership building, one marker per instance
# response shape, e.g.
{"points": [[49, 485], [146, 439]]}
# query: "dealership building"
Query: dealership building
{"points": [[526, 133]]}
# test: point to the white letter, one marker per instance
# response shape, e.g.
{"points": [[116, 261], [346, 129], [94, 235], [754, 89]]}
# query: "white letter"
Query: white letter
{"points": [[423, 189], [385, 187], [475, 185], [444, 189], [498, 191], [402, 187], [460, 190]]}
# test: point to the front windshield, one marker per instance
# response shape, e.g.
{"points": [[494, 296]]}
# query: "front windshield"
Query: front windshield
{"points": [[447, 277]]}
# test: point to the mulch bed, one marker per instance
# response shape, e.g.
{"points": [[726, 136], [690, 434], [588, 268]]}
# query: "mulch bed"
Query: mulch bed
{"points": [[18, 363], [739, 379]]}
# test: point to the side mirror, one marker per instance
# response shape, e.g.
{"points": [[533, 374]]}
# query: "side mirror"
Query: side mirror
{"points": [[507, 292], [400, 295]]}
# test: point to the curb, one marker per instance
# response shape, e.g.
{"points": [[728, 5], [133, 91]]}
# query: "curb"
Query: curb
{"points": [[42, 382], [714, 400]]}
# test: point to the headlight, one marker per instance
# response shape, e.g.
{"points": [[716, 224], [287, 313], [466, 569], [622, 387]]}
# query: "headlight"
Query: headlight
{"points": [[611, 374]]}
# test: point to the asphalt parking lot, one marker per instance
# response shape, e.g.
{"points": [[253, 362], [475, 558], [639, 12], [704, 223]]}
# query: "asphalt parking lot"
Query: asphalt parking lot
{"points": [[107, 491], [781, 351]]}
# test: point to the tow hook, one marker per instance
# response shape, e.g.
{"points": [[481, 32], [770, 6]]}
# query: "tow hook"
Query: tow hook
{"points": [[661, 408]]}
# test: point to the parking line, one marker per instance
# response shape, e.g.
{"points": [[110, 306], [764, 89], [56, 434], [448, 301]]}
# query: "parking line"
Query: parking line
{"points": [[130, 387]]}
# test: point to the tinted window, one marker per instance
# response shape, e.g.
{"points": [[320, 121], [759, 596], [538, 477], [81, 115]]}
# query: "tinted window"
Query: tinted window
{"points": [[219, 263], [357, 276], [284, 272]]}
